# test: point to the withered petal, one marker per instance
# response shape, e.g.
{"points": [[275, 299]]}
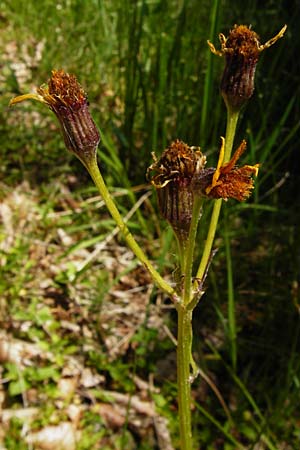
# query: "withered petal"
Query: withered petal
{"points": [[237, 184]]}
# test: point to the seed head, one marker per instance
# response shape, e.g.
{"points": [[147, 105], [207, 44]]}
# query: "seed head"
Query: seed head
{"points": [[179, 175], [173, 177], [67, 99], [241, 50]]}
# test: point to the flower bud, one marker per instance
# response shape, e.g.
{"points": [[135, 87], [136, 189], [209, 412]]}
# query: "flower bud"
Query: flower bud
{"points": [[66, 98], [241, 50]]}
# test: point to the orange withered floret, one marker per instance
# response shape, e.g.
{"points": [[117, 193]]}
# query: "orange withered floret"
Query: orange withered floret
{"points": [[230, 181], [67, 99], [241, 50], [180, 174]]}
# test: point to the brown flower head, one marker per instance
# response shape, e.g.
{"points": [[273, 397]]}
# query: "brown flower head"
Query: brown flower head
{"points": [[230, 181], [241, 50], [180, 174], [172, 177], [66, 98]]}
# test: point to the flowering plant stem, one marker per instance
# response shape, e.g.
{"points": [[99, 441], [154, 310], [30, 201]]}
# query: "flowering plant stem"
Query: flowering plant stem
{"points": [[184, 342], [189, 298], [184, 333], [93, 169], [188, 254]]}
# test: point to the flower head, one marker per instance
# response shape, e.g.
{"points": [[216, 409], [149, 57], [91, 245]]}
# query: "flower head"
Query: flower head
{"points": [[67, 99], [179, 175], [173, 175], [241, 50], [177, 163], [230, 181]]}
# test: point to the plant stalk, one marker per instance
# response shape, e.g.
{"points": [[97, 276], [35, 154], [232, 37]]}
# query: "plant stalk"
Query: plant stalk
{"points": [[94, 172], [184, 342], [231, 302], [188, 253], [185, 333], [232, 119]]}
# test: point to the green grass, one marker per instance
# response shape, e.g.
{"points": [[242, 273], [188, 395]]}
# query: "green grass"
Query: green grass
{"points": [[150, 79]]}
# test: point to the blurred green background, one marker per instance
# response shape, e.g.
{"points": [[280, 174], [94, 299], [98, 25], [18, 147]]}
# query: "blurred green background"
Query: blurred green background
{"points": [[150, 78]]}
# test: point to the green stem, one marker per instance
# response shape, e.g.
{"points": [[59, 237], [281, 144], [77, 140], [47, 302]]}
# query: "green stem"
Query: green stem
{"points": [[181, 248], [189, 251], [94, 171], [184, 342], [232, 119], [185, 333], [231, 302], [210, 238]]}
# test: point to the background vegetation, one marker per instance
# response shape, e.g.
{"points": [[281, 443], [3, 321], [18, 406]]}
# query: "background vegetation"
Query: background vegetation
{"points": [[80, 322]]}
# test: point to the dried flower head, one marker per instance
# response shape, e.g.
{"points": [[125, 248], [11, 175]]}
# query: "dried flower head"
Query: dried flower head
{"points": [[66, 98], [241, 50], [172, 177], [180, 175], [230, 181], [178, 161]]}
